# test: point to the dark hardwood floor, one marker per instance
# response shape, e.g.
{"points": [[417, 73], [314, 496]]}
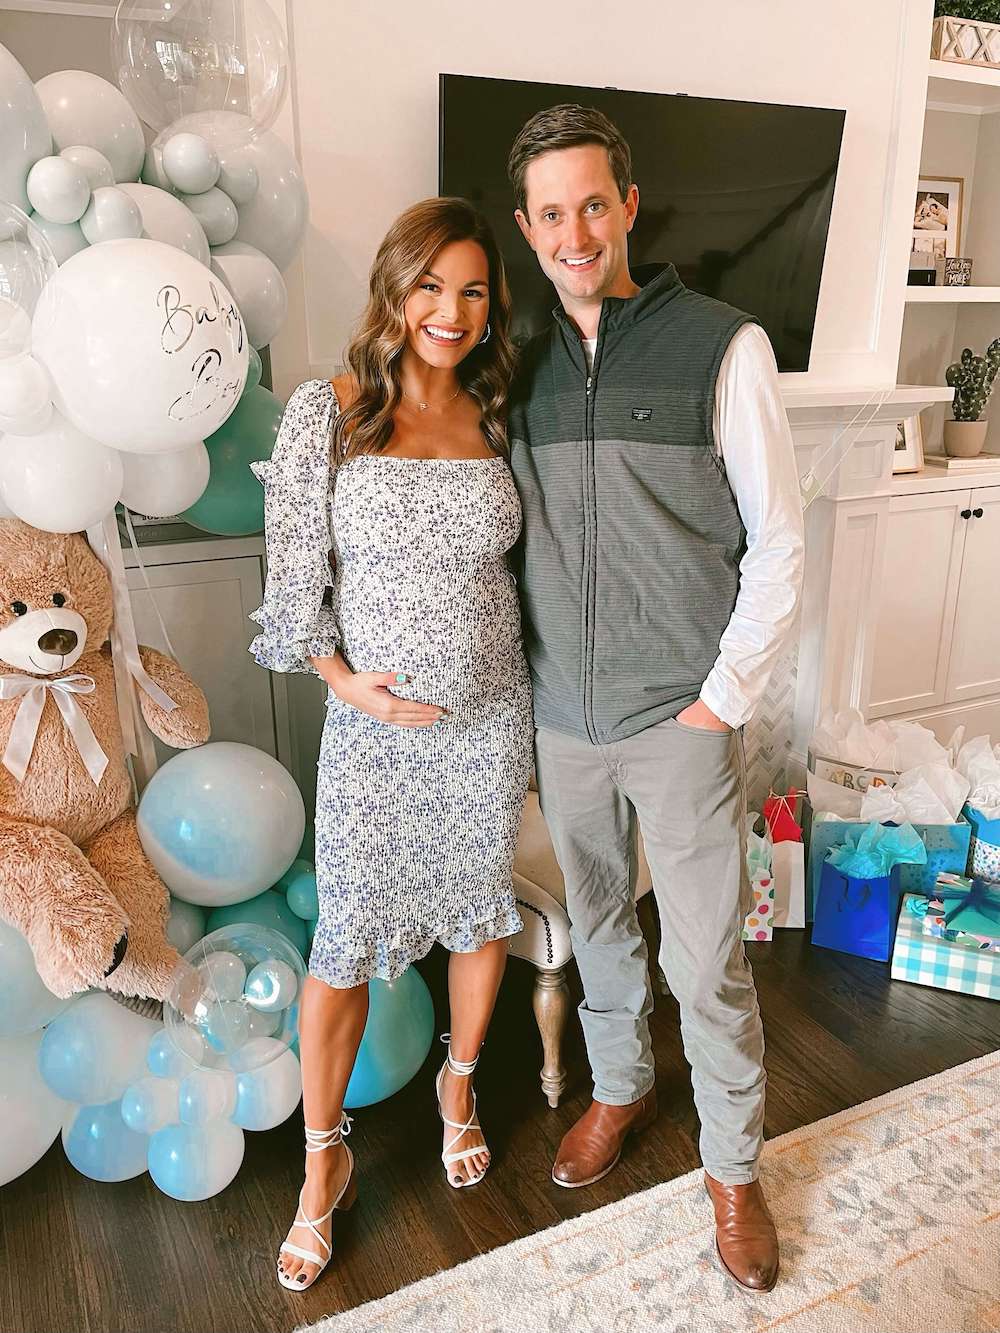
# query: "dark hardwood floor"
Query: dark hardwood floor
{"points": [[92, 1258]]}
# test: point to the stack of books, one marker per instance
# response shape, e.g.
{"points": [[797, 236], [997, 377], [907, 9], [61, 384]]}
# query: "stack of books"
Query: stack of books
{"points": [[981, 462]]}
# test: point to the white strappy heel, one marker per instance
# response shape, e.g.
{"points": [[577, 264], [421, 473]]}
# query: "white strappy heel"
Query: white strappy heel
{"points": [[316, 1141], [464, 1069]]}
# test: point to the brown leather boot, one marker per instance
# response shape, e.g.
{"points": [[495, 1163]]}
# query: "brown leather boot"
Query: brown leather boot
{"points": [[745, 1236], [592, 1147]]}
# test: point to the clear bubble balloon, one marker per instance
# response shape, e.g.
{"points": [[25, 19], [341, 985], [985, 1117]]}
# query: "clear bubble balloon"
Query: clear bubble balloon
{"points": [[101, 1145], [59, 479], [204, 55], [189, 163], [111, 215], [15, 330], [157, 485], [268, 1095], [94, 165], [24, 130], [221, 822], [133, 313], [257, 287], [93, 1051], [26, 1004], [150, 1103], [226, 1028], [26, 259], [166, 219], [30, 1112], [191, 1162], [83, 108], [207, 1094], [217, 214], [25, 396]]}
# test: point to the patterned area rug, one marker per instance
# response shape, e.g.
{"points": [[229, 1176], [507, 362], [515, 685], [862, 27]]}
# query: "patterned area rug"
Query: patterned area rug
{"points": [[889, 1218]]}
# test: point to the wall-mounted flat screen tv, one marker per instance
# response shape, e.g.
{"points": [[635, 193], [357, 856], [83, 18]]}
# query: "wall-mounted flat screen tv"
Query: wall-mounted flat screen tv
{"points": [[736, 194]]}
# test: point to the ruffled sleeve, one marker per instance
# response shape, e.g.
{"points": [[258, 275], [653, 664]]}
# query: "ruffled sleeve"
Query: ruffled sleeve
{"points": [[296, 619]]}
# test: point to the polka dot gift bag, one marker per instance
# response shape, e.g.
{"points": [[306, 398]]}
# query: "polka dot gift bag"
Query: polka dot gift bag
{"points": [[759, 922]]}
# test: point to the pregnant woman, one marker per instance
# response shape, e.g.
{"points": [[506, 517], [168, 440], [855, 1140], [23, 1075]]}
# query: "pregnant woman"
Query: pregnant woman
{"points": [[389, 512]]}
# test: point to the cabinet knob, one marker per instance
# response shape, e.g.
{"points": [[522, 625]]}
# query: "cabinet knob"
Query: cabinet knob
{"points": [[977, 513], [966, 513]]}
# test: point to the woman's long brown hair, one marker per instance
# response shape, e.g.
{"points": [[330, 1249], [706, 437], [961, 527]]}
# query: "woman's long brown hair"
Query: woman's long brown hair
{"points": [[374, 354]]}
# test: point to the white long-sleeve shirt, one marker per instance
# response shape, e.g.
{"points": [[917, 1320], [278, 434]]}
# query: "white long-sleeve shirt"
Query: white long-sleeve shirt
{"points": [[754, 441]]}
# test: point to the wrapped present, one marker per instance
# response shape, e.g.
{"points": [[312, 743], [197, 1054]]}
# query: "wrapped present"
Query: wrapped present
{"points": [[947, 850], [859, 890], [788, 866], [964, 911], [941, 963], [985, 844], [759, 923]]}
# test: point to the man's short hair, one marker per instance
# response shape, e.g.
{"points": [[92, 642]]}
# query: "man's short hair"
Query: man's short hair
{"points": [[566, 126]]}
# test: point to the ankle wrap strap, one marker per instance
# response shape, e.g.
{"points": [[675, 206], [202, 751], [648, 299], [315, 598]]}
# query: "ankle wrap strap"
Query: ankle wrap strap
{"points": [[462, 1068], [318, 1139]]}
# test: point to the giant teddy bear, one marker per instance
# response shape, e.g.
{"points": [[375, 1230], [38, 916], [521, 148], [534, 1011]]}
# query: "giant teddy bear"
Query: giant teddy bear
{"points": [[73, 876]]}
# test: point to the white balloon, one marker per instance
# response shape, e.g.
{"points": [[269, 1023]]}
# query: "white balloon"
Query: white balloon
{"points": [[24, 131], [26, 1003], [189, 162], [65, 238], [217, 214], [59, 480], [257, 287], [158, 485], [25, 396], [58, 189], [240, 181], [83, 108], [30, 1113], [112, 215], [15, 328], [166, 219], [268, 1095], [94, 165], [95, 1049], [186, 923], [152, 169], [149, 353]]}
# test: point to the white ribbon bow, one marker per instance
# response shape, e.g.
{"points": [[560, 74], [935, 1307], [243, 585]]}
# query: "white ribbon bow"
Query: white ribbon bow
{"points": [[24, 732]]}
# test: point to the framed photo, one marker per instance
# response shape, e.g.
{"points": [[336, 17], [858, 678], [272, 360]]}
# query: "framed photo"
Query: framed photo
{"points": [[908, 450], [937, 216]]}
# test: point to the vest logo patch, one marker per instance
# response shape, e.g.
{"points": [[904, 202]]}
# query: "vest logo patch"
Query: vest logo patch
{"points": [[642, 414]]}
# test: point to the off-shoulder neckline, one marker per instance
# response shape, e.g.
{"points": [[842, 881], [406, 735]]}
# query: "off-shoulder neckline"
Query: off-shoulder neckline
{"points": [[409, 458]]}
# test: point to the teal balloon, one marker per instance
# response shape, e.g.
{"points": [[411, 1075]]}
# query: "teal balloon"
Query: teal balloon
{"points": [[302, 897], [232, 504], [396, 1040], [267, 909], [101, 1145], [298, 867]]}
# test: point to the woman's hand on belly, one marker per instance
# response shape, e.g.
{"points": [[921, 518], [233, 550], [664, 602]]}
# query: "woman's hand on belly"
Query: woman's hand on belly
{"points": [[369, 692]]}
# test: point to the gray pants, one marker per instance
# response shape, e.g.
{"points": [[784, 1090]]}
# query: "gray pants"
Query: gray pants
{"points": [[688, 789]]}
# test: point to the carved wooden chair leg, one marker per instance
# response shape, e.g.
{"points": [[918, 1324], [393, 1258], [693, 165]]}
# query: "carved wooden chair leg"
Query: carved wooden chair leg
{"points": [[552, 1004]]}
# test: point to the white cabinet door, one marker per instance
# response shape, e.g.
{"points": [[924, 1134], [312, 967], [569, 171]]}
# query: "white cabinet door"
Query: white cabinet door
{"points": [[975, 655], [204, 605], [916, 610]]}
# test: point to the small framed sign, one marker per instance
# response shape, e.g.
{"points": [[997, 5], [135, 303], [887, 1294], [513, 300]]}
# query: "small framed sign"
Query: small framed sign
{"points": [[957, 273]]}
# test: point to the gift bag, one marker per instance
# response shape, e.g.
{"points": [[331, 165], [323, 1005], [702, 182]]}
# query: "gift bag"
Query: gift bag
{"points": [[985, 844], [760, 919], [857, 915], [788, 865]]}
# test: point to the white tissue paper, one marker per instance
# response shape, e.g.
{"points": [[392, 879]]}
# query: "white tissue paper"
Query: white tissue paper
{"points": [[926, 794], [890, 746], [979, 761]]}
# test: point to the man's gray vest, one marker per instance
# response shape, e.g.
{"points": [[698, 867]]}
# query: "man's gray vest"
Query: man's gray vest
{"points": [[629, 562]]}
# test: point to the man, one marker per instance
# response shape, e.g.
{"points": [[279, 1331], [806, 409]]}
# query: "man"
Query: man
{"points": [[662, 560]]}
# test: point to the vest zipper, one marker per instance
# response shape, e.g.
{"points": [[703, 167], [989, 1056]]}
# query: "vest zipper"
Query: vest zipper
{"points": [[590, 537]]}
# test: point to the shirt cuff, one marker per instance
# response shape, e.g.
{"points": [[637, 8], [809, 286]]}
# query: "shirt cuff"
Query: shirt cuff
{"points": [[735, 712]]}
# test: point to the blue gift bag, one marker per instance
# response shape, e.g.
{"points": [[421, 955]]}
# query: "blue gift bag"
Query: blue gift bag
{"points": [[857, 915]]}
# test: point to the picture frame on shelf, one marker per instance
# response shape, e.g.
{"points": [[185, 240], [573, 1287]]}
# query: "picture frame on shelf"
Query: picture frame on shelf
{"points": [[956, 272], [937, 216], [908, 449]]}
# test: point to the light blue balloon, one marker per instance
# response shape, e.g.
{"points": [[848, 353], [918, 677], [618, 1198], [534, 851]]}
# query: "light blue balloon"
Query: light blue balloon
{"points": [[267, 909], [94, 1050], [26, 1003], [396, 1039], [191, 1162], [302, 897], [164, 1060], [150, 1103], [206, 1095], [267, 1096], [100, 1144]]}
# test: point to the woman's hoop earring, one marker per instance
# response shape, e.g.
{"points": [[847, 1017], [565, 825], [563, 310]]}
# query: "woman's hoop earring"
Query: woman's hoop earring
{"points": [[486, 336]]}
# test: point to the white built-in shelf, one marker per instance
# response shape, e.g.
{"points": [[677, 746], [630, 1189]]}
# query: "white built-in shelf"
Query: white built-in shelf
{"points": [[973, 88], [862, 396], [951, 295]]}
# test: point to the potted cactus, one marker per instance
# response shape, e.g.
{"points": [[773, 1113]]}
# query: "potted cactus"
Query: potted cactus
{"points": [[972, 379]]}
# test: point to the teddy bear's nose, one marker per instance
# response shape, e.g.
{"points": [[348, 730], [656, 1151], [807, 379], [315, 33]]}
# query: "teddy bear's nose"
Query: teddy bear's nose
{"points": [[60, 641]]}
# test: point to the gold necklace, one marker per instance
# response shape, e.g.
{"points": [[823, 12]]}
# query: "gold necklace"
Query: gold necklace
{"points": [[422, 407]]}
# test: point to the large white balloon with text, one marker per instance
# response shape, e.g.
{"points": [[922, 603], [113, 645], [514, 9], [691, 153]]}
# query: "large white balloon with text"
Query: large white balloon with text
{"points": [[149, 352]]}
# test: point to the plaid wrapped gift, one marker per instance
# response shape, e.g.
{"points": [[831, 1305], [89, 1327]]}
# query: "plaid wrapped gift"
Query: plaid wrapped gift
{"points": [[940, 963]]}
